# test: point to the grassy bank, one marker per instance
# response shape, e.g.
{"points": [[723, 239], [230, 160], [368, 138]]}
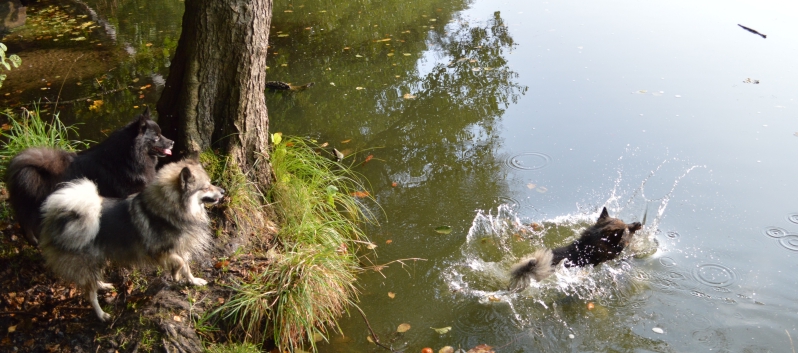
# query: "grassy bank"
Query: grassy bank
{"points": [[310, 278]]}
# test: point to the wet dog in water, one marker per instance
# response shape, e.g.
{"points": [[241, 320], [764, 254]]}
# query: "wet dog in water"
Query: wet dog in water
{"points": [[601, 242]]}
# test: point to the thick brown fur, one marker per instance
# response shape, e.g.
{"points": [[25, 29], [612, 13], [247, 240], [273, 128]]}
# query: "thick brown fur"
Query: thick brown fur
{"points": [[121, 165], [166, 225], [601, 242]]}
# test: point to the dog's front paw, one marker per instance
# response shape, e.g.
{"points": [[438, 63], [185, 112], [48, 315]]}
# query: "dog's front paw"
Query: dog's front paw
{"points": [[103, 316], [198, 281]]}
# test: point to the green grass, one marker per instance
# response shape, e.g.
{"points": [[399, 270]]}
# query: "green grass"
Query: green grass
{"points": [[233, 348], [29, 130], [311, 278]]}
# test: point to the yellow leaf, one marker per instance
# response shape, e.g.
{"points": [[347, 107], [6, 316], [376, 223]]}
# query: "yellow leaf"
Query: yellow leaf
{"points": [[403, 328], [391, 295], [12, 328], [408, 96]]}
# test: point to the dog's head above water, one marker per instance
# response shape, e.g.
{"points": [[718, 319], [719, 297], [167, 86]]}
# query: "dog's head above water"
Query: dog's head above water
{"points": [[614, 232]]}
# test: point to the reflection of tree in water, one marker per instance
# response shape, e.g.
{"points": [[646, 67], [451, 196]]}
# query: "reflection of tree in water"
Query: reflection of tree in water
{"points": [[453, 118]]}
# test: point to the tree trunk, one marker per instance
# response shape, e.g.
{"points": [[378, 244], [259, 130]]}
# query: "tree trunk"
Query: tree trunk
{"points": [[214, 95]]}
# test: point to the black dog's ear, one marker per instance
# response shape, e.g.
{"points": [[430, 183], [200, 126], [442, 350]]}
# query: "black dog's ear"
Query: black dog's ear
{"points": [[186, 178], [604, 214], [143, 119]]}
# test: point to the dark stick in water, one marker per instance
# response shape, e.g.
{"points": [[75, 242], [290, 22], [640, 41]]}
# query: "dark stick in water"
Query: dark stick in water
{"points": [[752, 31]]}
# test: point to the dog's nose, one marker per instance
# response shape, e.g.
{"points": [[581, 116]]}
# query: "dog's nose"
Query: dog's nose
{"points": [[635, 226]]}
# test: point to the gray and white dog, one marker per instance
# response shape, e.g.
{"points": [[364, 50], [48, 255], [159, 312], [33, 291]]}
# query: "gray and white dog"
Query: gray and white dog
{"points": [[166, 224]]}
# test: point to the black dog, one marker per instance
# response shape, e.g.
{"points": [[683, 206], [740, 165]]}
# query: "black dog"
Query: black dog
{"points": [[601, 242], [121, 165]]}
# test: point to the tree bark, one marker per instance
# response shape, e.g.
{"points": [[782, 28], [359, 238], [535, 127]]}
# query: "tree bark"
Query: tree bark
{"points": [[214, 95]]}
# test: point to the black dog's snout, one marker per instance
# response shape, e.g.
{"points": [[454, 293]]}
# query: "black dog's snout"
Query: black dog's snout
{"points": [[635, 226]]}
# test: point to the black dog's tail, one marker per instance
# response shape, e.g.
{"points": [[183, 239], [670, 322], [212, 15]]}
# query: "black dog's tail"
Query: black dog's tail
{"points": [[537, 266], [31, 176]]}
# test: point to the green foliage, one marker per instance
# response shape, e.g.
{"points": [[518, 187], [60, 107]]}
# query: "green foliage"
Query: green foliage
{"points": [[243, 198], [7, 61], [29, 130], [310, 281], [233, 348]]}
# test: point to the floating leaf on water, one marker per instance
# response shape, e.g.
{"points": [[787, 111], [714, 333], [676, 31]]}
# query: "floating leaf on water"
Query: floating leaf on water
{"points": [[78, 39], [542, 189], [408, 96], [12, 329], [391, 295], [388, 241], [406, 54], [317, 337], [282, 35], [494, 298], [590, 306], [358, 56], [482, 348], [96, 105], [368, 338], [658, 330], [443, 230], [447, 349], [394, 184], [403, 328], [371, 246], [289, 11], [442, 330], [475, 69], [360, 194], [359, 88], [346, 141], [530, 186], [368, 158], [390, 54]]}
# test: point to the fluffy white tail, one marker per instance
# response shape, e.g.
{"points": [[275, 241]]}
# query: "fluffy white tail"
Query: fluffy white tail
{"points": [[72, 215], [537, 266]]}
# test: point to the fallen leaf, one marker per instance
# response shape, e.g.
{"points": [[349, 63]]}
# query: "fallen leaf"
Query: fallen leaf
{"points": [[482, 348], [590, 306], [12, 328], [359, 88], [443, 230], [536, 227], [391, 295], [346, 141], [658, 330], [148, 44], [360, 194], [394, 184], [408, 96], [368, 158], [446, 349], [542, 189], [221, 264], [494, 298], [178, 318], [388, 241], [6, 127], [530, 186], [368, 338], [371, 246], [403, 328], [220, 300], [442, 330]]}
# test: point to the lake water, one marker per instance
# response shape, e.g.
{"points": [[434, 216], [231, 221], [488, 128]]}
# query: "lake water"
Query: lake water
{"points": [[485, 116]]}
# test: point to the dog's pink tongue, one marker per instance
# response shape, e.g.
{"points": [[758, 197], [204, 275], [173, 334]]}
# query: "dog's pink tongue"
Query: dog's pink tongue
{"points": [[167, 152]]}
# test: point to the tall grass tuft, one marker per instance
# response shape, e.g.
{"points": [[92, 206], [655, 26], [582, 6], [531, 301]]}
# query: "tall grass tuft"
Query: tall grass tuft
{"points": [[311, 277], [29, 130]]}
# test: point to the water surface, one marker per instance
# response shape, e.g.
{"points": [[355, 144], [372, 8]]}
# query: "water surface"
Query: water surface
{"points": [[486, 116]]}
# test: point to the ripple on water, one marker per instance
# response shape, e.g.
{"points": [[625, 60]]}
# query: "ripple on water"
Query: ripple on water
{"points": [[790, 242], [667, 261], [528, 161], [776, 232], [672, 234], [793, 218], [714, 275]]}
